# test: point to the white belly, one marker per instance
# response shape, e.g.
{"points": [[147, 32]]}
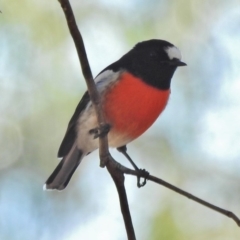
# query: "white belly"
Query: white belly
{"points": [[86, 141]]}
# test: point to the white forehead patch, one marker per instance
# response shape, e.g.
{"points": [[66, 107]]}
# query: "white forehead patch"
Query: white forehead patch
{"points": [[173, 52]]}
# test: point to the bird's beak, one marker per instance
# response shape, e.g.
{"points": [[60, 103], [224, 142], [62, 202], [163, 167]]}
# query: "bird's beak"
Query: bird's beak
{"points": [[174, 62], [180, 64], [177, 63]]}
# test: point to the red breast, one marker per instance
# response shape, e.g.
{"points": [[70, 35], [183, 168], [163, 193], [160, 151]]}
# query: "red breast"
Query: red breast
{"points": [[131, 106]]}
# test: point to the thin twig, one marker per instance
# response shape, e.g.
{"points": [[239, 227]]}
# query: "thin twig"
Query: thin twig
{"points": [[118, 178], [105, 157], [86, 70], [184, 193]]}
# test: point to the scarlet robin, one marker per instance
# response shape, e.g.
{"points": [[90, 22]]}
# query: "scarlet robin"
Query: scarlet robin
{"points": [[134, 92]]}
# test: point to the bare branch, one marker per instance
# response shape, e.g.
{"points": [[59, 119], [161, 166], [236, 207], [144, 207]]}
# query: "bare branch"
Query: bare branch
{"points": [[105, 157], [86, 70], [184, 193], [118, 178]]}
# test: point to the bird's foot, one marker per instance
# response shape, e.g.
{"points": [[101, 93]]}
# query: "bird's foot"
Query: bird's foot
{"points": [[142, 174], [100, 131]]}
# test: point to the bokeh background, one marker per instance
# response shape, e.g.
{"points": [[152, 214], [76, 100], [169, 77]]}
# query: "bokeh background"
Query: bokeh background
{"points": [[194, 145]]}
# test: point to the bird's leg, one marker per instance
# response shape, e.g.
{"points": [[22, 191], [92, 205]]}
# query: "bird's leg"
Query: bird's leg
{"points": [[143, 172], [100, 131]]}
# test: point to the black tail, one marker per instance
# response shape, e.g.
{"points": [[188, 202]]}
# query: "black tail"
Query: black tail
{"points": [[62, 174]]}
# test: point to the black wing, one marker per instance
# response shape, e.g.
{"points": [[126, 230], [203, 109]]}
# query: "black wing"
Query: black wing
{"points": [[71, 132]]}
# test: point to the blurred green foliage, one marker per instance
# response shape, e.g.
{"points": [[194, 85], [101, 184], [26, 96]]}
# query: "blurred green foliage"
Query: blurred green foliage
{"points": [[194, 144]]}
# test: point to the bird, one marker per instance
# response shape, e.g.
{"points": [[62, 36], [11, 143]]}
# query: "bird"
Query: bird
{"points": [[134, 91]]}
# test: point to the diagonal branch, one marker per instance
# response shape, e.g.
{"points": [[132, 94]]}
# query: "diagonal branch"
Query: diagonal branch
{"points": [[86, 70], [184, 193], [118, 178], [105, 157]]}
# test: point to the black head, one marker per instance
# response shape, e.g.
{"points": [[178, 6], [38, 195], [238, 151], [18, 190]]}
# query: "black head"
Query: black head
{"points": [[154, 61]]}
